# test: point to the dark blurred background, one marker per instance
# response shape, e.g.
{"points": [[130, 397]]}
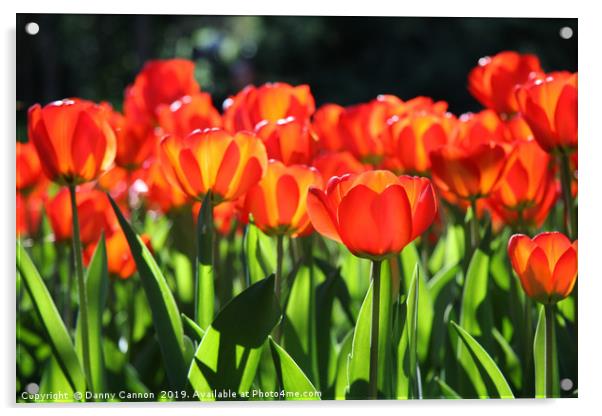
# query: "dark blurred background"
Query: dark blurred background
{"points": [[344, 59]]}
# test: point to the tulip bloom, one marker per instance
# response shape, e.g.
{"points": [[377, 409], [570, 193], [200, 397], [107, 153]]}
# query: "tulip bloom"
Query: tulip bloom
{"points": [[187, 114], [546, 265], [136, 142], [493, 81], [29, 170], [95, 215], [29, 212], [471, 164], [279, 201], [549, 106], [361, 126], [325, 123], [120, 261], [73, 138], [374, 213], [337, 164], [413, 137], [527, 190], [224, 215], [214, 160], [288, 140], [271, 102], [159, 82]]}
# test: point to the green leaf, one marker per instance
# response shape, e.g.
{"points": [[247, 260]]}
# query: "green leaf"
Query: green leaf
{"points": [[342, 381], [229, 353], [512, 365], [56, 332], [411, 327], [54, 380], [205, 290], [410, 259], [446, 390], [97, 284], [293, 380], [299, 335], [259, 260], [359, 361], [487, 365], [539, 355], [166, 317], [192, 329], [184, 275]]}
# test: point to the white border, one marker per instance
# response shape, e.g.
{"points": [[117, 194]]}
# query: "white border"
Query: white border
{"points": [[590, 186]]}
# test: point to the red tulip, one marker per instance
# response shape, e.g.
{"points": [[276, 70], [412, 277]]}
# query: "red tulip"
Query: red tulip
{"points": [[29, 170], [361, 127], [95, 215], [136, 141], [549, 106], [279, 201], [546, 265], [73, 138], [493, 81], [187, 114], [470, 165], [326, 125], [271, 102], [413, 137], [120, 261], [159, 82], [337, 164], [160, 194], [527, 190], [374, 213], [29, 212], [213, 160], [288, 140]]}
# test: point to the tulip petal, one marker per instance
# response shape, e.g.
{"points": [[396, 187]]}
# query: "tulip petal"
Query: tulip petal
{"points": [[565, 116], [322, 214], [565, 273]]}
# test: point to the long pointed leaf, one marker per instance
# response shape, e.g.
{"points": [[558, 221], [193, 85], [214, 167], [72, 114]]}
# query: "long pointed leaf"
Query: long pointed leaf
{"points": [[166, 317], [293, 380]]}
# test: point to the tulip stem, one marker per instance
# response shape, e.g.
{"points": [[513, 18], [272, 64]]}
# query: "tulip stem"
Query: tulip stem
{"points": [[474, 225], [81, 287], [549, 310], [278, 282], [373, 392], [565, 179]]}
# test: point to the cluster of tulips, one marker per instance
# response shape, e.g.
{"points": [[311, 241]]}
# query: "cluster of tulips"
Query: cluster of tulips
{"points": [[378, 178]]}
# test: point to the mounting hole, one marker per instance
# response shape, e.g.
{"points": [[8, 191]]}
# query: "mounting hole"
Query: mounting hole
{"points": [[566, 384], [565, 32], [32, 28]]}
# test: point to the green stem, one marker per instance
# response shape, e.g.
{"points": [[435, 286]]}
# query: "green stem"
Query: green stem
{"points": [[81, 287], [567, 195], [474, 226], [528, 346], [549, 310], [278, 283], [373, 392]]}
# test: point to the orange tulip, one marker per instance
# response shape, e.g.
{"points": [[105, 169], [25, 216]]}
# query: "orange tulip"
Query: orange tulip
{"points": [[413, 137], [73, 138], [29, 212], [470, 166], [337, 164], [546, 265], [279, 201], [326, 125], [374, 213], [361, 127], [159, 193], [159, 82], [271, 102], [213, 160], [549, 105], [189, 113], [95, 215], [527, 190], [288, 140], [120, 261], [493, 81], [136, 142], [29, 170]]}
